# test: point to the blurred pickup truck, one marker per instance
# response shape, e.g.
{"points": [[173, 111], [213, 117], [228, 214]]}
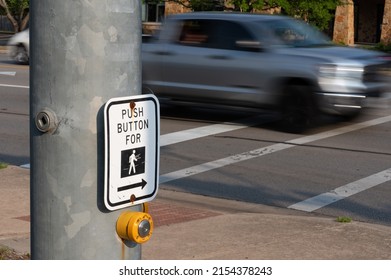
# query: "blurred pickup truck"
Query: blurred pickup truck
{"points": [[262, 61]]}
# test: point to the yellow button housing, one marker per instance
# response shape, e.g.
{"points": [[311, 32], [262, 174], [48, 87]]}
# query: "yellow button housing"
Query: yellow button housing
{"points": [[135, 226]]}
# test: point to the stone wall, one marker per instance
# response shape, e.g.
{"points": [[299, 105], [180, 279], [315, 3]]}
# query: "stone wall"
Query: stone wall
{"points": [[363, 21], [386, 26], [150, 27], [344, 24], [173, 8]]}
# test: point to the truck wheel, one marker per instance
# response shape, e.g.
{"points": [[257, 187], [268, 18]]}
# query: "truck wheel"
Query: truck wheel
{"points": [[298, 107], [21, 55]]}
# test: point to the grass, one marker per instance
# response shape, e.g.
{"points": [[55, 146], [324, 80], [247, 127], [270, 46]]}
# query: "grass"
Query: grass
{"points": [[343, 219], [383, 47], [3, 165], [9, 254], [377, 47]]}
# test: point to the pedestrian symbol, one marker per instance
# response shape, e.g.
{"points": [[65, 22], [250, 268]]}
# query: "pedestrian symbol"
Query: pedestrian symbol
{"points": [[132, 159], [132, 162]]}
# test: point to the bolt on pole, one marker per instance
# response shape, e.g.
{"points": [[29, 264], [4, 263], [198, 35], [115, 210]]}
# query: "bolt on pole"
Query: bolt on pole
{"points": [[82, 54]]}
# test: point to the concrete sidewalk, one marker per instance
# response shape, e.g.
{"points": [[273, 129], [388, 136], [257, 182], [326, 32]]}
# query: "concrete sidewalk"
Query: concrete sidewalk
{"points": [[197, 227]]}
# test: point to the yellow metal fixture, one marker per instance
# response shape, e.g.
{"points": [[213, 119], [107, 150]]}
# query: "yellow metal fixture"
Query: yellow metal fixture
{"points": [[135, 226], [145, 207]]}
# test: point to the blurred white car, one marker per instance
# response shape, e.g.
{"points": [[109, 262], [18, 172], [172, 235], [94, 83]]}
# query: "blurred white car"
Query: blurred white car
{"points": [[18, 47]]}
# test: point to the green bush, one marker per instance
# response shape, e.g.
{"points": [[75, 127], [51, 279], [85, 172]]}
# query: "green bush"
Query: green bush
{"points": [[383, 47], [343, 219]]}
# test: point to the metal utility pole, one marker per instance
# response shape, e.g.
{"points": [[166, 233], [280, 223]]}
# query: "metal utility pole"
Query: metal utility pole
{"points": [[82, 54]]}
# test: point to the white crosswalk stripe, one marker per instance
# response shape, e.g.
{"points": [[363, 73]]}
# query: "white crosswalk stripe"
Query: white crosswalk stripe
{"points": [[308, 205], [322, 200]]}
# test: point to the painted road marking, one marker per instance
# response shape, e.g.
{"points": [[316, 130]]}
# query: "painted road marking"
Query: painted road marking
{"points": [[15, 86], [322, 200], [199, 132], [7, 73], [306, 205], [197, 169]]}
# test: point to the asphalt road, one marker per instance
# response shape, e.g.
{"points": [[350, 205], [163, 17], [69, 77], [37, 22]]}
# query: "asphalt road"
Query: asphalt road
{"points": [[14, 112], [344, 167], [336, 169]]}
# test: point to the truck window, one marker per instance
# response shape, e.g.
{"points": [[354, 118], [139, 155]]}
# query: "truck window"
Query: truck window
{"points": [[227, 34], [193, 33], [217, 34]]}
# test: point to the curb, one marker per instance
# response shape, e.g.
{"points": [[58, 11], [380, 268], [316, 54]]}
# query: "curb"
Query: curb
{"points": [[3, 50]]}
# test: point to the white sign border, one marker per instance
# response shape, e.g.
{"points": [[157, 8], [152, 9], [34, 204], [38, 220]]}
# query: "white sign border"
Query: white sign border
{"points": [[150, 196]]}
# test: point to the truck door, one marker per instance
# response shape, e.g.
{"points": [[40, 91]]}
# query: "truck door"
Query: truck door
{"points": [[211, 62]]}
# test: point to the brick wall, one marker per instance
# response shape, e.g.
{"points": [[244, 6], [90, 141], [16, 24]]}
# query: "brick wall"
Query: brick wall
{"points": [[344, 23], [386, 26], [363, 22], [150, 27], [173, 8]]}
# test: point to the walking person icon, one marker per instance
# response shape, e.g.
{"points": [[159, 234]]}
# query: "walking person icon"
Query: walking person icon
{"points": [[132, 162], [132, 159]]}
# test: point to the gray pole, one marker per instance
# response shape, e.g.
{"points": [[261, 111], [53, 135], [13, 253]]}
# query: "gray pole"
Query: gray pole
{"points": [[82, 54]]}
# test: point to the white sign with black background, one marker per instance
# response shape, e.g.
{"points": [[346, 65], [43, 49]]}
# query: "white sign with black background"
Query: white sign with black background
{"points": [[131, 150]]}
